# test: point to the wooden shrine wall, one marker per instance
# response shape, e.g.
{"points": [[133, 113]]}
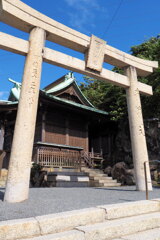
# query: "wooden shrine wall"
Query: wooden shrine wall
{"points": [[55, 128], [62, 129], [78, 133], [38, 129]]}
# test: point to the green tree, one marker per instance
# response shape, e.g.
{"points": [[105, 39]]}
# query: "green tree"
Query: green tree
{"points": [[105, 96], [113, 99], [150, 50]]}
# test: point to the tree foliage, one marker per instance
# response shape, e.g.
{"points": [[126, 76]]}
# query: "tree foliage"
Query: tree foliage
{"points": [[105, 96], [150, 50], [113, 99]]}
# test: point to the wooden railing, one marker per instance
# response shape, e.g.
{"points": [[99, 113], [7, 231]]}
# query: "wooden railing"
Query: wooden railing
{"points": [[95, 155], [52, 155], [92, 160], [57, 157], [88, 160], [2, 155]]}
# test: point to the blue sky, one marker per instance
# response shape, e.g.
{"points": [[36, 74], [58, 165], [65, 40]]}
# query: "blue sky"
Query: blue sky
{"points": [[122, 23]]}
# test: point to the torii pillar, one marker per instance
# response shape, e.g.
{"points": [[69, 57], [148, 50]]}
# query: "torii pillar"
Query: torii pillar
{"points": [[21, 16], [20, 160], [137, 133]]}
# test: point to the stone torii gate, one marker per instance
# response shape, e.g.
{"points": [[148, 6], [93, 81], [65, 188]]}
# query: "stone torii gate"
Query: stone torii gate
{"points": [[96, 51]]}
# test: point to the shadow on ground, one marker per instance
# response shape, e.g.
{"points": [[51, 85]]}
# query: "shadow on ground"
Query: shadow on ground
{"points": [[1, 194], [117, 190]]}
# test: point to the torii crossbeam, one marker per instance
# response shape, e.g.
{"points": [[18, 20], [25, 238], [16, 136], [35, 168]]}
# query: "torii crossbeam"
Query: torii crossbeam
{"points": [[96, 51]]}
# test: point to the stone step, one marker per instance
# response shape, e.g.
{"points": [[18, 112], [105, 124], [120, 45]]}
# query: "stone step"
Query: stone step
{"points": [[121, 227], [99, 223], [2, 183], [88, 170], [3, 172], [103, 178], [96, 175], [67, 179], [121, 210], [49, 224], [66, 173], [3, 177], [110, 184], [97, 170], [70, 184], [95, 184], [84, 169], [70, 235], [107, 181], [153, 234]]}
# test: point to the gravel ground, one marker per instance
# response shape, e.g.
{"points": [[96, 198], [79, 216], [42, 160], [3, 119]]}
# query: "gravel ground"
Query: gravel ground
{"points": [[44, 201]]}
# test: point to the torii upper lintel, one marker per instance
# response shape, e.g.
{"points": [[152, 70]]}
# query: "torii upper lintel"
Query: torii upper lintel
{"points": [[23, 17]]}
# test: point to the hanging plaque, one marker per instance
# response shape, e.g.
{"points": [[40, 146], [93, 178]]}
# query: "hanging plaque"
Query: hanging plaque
{"points": [[96, 52]]}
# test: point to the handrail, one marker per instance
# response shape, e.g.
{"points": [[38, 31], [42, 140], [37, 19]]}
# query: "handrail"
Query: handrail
{"points": [[94, 155], [88, 159], [146, 179], [2, 155]]}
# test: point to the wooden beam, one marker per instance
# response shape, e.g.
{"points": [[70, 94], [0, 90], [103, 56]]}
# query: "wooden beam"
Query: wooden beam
{"points": [[20, 46], [20, 15]]}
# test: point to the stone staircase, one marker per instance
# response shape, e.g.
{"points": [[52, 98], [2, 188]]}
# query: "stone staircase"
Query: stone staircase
{"points": [[99, 179], [67, 178], [90, 178], [125, 221], [3, 177]]}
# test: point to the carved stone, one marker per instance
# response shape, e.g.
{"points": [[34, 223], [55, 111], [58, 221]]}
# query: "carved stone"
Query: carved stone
{"points": [[20, 161], [95, 56], [137, 133]]}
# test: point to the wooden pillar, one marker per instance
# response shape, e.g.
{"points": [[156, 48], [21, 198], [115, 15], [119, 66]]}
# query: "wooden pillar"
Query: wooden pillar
{"points": [[87, 138], [43, 126], [67, 130], [100, 145], [92, 150], [137, 133], [2, 153], [17, 188], [1, 136]]}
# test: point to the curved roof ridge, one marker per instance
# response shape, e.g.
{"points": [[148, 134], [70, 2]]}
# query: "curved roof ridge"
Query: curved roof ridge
{"points": [[84, 97], [93, 109], [69, 79], [15, 91], [60, 86]]}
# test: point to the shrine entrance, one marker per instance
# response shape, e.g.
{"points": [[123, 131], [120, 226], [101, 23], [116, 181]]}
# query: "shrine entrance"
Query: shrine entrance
{"points": [[96, 51]]}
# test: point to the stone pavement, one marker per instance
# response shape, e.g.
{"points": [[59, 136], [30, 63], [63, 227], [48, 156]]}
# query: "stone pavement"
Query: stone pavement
{"points": [[44, 201]]}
